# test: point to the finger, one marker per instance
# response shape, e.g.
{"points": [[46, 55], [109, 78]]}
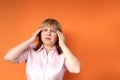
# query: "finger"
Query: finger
{"points": [[38, 30], [61, 35], [58, 33], [36, 33]]}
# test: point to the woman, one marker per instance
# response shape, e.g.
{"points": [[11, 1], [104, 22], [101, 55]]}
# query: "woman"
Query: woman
{"points": [[49, 59]]}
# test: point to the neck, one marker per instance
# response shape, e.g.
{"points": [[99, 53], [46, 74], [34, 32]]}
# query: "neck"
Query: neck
{"points": [[48, 48]]}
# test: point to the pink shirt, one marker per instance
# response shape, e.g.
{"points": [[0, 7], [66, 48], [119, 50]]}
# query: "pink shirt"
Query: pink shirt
{"points": [[41, 66]]}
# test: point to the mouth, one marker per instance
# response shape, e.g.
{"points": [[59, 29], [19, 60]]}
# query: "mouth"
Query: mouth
{"points": [[47, 38]]}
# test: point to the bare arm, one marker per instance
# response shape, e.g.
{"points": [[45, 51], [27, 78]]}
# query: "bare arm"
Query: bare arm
{"points": [[13, 54], [72, 63]]}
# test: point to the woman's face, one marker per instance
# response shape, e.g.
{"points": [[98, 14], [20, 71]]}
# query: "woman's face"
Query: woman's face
{"points": [[49, 36]]}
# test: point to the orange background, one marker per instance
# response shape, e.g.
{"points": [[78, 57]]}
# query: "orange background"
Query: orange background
{"points": [[91, 27]]}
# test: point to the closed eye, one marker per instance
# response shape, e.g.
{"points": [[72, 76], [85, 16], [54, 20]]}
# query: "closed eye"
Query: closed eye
{"points": [[44, 30], [53, 31]]}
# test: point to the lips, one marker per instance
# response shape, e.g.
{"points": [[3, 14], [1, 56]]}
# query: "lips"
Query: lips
{"points": [[47, 38]]}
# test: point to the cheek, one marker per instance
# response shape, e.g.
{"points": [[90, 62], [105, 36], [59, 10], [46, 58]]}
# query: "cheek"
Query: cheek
{"points": [[42, 35], [55, 37]]}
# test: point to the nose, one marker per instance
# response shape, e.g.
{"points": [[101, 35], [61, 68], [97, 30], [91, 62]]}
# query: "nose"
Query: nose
{"points": [[48, 33]]}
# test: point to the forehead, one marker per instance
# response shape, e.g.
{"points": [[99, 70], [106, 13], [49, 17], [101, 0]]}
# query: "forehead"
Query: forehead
{"points": [[50, 26]]}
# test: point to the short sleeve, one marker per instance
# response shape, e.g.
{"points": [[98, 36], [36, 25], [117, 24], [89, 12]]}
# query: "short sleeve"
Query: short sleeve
{"points": [[23, 57]]}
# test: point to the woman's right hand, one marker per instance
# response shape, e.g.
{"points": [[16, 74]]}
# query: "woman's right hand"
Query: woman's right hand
{"points": [[13, 54], [34, 36]]}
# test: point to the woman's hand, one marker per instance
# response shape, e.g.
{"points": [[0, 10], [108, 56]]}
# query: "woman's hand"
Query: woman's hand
{"points": [[13, 54], [34, 36], [61, 38], [71, 62]]}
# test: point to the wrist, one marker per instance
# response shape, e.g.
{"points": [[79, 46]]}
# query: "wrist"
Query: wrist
{"points": [[63, 45], [28, 41]]}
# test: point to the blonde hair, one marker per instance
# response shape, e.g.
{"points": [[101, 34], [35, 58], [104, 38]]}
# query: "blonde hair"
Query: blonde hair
{"points": [[51, 23]]}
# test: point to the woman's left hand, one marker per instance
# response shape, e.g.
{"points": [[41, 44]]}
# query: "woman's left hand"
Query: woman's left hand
{"points": [[72, 63], [61, 38]]}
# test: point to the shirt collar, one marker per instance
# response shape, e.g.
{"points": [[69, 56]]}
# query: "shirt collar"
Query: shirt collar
{"points": [[42, 47]]}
